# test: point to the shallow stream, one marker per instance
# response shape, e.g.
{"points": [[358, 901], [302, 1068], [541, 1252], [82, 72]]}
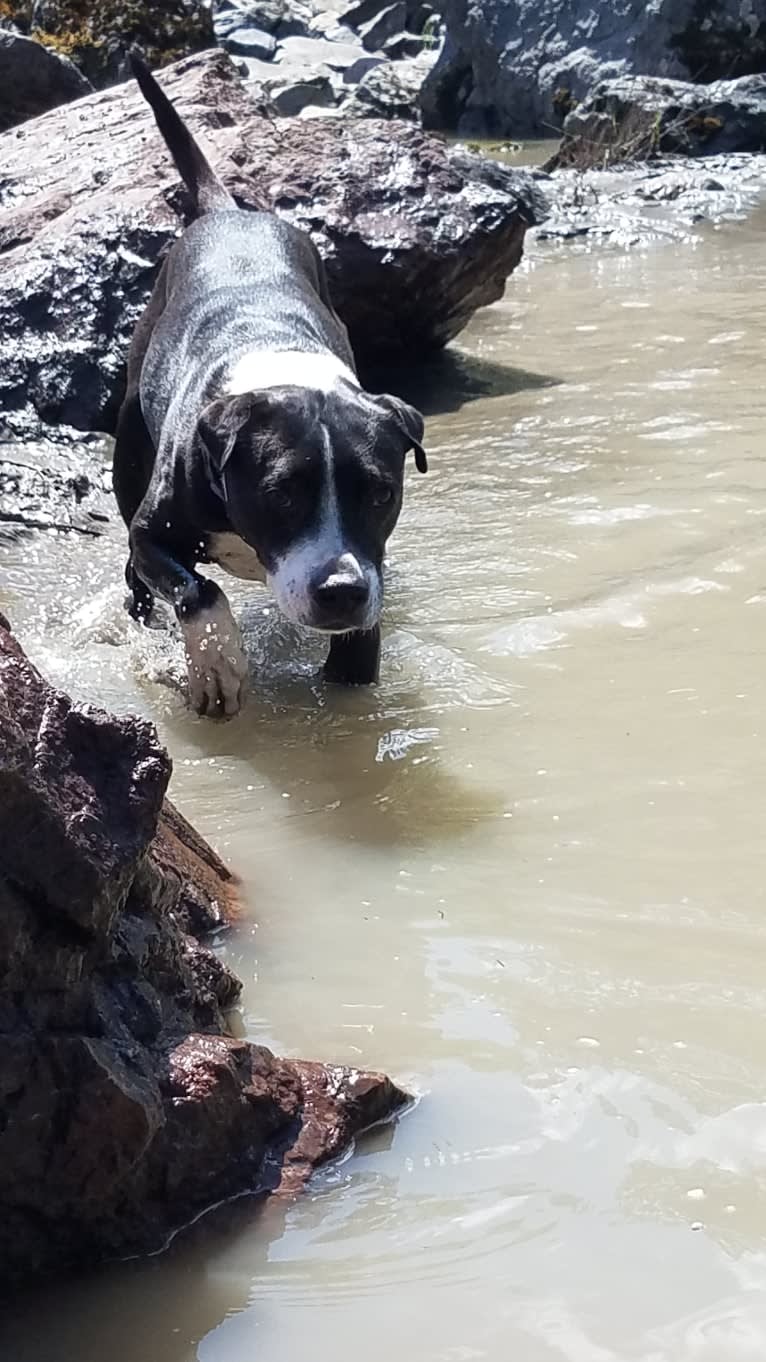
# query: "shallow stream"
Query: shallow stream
{"points": [[526, 875]]}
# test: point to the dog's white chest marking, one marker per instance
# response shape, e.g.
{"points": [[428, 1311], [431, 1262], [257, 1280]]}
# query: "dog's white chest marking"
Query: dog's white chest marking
{"points": [[236, 557], [260, 369]]}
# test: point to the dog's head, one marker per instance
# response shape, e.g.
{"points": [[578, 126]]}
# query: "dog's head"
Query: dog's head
{"points": [[313, 482]]}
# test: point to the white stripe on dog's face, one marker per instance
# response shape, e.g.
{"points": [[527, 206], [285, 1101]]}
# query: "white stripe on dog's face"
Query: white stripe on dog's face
{"points": [[260, 369], [293, 577]]}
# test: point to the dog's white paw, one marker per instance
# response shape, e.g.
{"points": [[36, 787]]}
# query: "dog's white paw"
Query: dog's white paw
{"points": [[216, 663]]}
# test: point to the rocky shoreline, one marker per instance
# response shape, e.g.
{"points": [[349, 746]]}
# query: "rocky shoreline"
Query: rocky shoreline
{"points": [[126, 1106]]}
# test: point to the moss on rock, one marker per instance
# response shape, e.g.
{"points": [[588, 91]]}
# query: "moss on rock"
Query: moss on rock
{"points": [[97, 34]]}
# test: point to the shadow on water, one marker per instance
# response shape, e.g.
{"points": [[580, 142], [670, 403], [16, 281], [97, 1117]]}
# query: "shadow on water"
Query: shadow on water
{"points": [[450, 380], [333, 759]]}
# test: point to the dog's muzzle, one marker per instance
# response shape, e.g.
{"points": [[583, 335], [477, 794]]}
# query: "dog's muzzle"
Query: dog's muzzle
{"points": [[340, 596]]}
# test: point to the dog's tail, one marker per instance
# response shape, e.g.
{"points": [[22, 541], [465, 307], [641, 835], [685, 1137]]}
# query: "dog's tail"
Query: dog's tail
{"points": [[207, 191]]}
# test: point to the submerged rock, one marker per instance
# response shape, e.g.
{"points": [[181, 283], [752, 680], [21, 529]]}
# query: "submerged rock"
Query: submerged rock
{"points": [[416, 234], [125, 1106], [637, 117], [34, 79], [661, 200], [517, 67]]}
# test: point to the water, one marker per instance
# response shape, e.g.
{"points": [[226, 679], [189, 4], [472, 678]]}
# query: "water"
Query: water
{"points": [[525, 876]]}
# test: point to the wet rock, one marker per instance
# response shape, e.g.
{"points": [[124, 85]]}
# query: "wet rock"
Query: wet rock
{"points": [[97, 34], [516, 67], [663, 200], [251, 42], [125, 1107], [390, 90], [34, 79], [416, 234], [45, 488], [638, 117]]}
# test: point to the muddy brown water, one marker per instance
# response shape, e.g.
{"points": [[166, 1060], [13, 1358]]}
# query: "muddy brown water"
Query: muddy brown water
{"points": [[525, 875]]}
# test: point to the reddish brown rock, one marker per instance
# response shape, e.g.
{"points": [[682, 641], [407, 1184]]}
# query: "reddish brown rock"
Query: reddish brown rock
{"points": [[416, 234], [125, 1107]]}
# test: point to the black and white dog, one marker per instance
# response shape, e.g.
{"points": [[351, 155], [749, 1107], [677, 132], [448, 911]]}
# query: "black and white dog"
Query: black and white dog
{"points": [[245, 439]]}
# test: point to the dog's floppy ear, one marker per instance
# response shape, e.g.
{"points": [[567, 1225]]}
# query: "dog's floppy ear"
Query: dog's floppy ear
{"points": [[410, 422], [220, 424]]}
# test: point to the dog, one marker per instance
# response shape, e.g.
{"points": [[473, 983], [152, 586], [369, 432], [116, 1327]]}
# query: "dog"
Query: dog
{"points": [[246, 439]]}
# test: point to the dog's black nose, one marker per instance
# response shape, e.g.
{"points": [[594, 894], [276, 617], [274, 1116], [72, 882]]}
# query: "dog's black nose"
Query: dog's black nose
{"points": [[340, 593]]}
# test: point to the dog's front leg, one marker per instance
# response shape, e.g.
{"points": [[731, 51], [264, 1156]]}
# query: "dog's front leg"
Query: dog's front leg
{"points": [[215, 661], [354, 659]]}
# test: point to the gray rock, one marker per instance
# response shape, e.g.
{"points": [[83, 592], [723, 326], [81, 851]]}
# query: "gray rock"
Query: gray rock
{"points": [[251, 42], [659, 201], [358, 12], [295, 94], [230, 15], [637, 117], [358, 70], [34, 78], [328, 26], [402, 46], [415, 233], [384, 25], [313, 52], [47, 488], [297, 19], [390, 90], [517, 67]]}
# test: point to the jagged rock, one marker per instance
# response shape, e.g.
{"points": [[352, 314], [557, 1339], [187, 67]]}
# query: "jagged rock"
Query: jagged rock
{"points": [[44, 488], [401, 47], [34, 79], [355, 73], [125, 1107], [97, 34], [517, 67], [416, 234], [390, 90], [230, 15], [251, 42], [637, 117], [308, 53], [298, 89], [383, 25]]}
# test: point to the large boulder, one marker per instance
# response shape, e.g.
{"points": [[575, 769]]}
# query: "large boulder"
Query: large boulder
{"points": [[34, 79], [517, 67], [635, 118], [416, 234], [126, 1107]]}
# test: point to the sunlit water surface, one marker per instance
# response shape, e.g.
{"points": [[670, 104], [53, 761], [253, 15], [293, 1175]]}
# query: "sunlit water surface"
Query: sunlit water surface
{"points": [[525, 875]]}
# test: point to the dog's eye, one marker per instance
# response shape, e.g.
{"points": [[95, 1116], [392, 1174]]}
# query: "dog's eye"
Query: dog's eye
{"points": [[282, 497], [382, 494]]}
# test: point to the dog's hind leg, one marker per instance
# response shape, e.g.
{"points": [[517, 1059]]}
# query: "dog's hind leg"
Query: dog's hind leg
{"points": [[354, 659], [131, 473]]}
